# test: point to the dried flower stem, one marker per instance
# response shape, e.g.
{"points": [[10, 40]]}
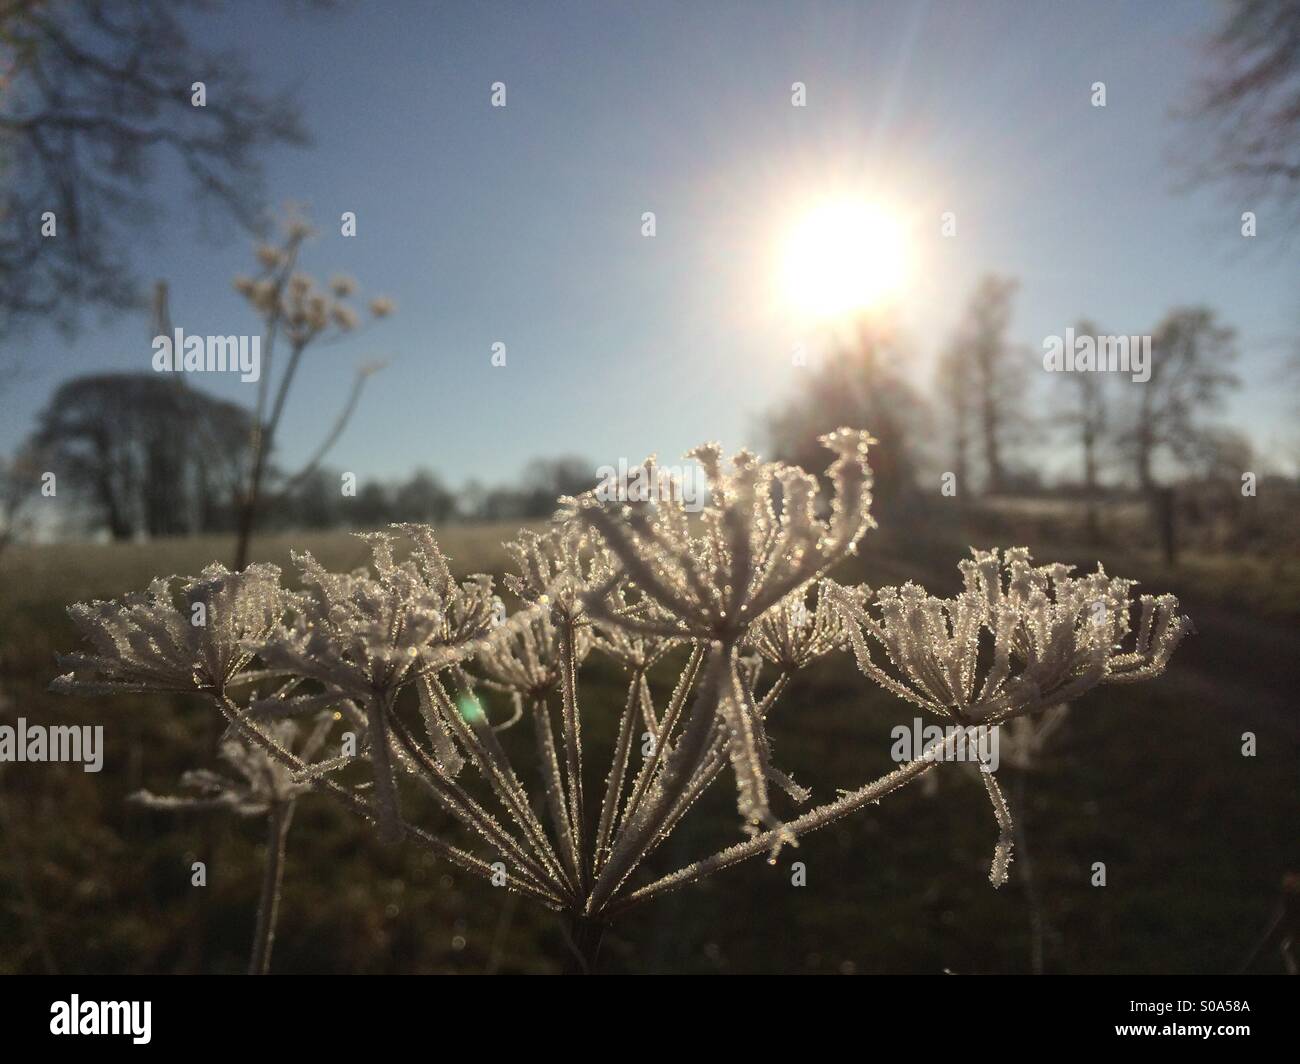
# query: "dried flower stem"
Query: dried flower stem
{"points": [[573, 742], [617, 770], [685, 683], [488, 758], [556, 802], [268, 907], [678, 768], [453, 799]]}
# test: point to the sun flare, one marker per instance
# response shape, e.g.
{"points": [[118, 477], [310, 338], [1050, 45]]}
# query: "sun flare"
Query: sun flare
{"points": [[842, 257]]}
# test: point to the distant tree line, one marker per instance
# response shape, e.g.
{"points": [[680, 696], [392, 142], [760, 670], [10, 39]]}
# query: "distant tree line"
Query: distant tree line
{"points": [[145, 455], [318, 501], [994, 408]]}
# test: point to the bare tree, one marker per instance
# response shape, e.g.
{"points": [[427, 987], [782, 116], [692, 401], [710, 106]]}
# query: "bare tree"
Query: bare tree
{"points": [[1190, 353], [92, 95], [858, 383], [154, 455], [983, 337], [1250, 102], [956, 394], [1086, 414]]}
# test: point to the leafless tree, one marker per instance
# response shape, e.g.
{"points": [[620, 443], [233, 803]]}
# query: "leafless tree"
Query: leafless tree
{"points": [[858, 382], [956, 395], [982, 340], [1250, 103], [1086, 414], [93, 94], [1190, 355]]}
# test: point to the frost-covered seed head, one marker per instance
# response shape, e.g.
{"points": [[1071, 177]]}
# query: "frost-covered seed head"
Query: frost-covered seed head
{"points": [[1053, 637], [153, 641], [759, 538], [793, 634], [526, 660], [368, 635], [259, 782]]}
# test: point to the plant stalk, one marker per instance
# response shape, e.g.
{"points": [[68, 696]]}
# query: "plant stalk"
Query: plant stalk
{"points": [[583, 935], [268, 906]]}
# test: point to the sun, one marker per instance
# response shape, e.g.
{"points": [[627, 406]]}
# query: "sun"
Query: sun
{"points": [[842, 257]]}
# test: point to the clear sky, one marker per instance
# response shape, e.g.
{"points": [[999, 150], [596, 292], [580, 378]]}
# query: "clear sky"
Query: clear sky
{"points": [[523, 224]]}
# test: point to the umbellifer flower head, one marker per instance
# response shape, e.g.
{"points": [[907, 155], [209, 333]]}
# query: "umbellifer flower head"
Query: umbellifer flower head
{"points": [[792, 634], [149, 642], [758, 540], [368, 635], [1053, 637]]}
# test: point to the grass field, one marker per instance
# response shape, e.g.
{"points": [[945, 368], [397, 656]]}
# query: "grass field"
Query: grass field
{"points": [[1148, 779]]}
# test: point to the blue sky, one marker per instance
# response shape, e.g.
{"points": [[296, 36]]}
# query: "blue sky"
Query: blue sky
{"points": [[523, 224]]}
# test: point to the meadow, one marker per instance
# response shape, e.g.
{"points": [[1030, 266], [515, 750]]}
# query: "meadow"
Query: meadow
{"points": [[1148, 779]]}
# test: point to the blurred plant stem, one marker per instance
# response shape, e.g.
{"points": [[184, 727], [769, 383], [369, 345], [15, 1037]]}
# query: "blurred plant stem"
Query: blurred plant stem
{"points": [[1037, 923], [268, 906], [583, 936]]}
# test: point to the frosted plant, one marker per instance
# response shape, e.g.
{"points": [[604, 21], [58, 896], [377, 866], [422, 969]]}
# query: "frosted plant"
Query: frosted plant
{"points": [[293, 305], [403, 653], [713, 583], [259, 782], [364, 638], [1053, 637], [147, 642], [791, 636]]}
